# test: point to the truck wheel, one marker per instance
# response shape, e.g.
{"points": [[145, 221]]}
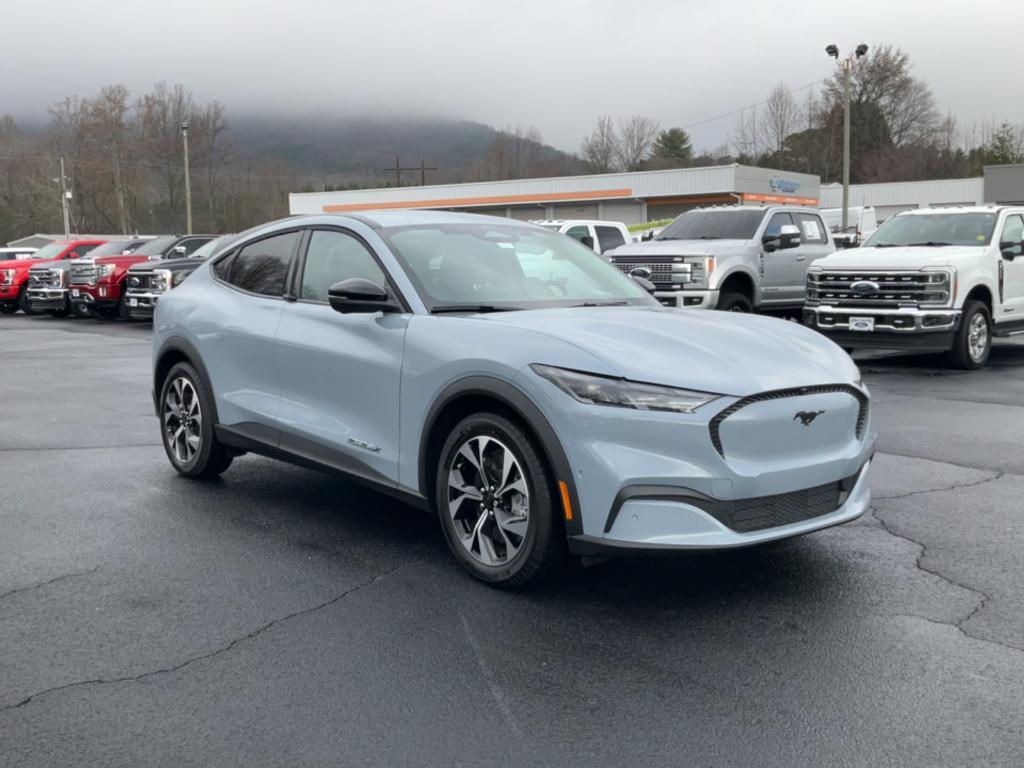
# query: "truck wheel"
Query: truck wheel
{"points": [[8, 308], [80, 310], [734, 302], [23, 303], [973, 340], [186, 425], [496, 500], [123, 311]]}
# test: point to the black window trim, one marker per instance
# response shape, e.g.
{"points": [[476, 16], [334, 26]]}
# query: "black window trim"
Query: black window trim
{"points": [[239, 246], [294, 284]]}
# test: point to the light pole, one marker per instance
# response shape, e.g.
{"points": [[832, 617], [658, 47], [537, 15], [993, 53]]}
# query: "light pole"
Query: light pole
{"points": [[65, 195], [847, 65], [188, 185]]}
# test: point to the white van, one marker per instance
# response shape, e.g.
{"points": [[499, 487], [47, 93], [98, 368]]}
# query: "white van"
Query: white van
{"points": [[861, 224]]}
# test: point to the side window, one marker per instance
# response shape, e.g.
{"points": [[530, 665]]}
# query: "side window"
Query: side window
{"points": [[1013, 232], [608, 238], [811, 229], [778, 221], [81, 250], [193, 245], [222, 267], [262, 267], [333, 256], [578, 232]]}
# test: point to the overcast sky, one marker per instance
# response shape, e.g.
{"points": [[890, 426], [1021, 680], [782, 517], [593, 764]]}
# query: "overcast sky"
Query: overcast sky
{"points": [[553, 64]]}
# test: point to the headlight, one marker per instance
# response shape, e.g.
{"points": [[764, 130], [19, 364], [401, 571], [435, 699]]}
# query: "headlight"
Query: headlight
{"points": [[940, 285], [604, 390], [701, 268], [6, 276], [162, 279], [106, 270]]}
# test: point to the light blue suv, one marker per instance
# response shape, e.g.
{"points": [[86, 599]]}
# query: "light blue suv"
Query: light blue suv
{"points": [[506, 377]]}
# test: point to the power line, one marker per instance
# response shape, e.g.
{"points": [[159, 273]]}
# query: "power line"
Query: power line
{"points": [[751, 106]]}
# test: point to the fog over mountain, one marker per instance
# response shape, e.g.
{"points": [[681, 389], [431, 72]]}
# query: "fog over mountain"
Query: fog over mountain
{"points": [[555, 65]]}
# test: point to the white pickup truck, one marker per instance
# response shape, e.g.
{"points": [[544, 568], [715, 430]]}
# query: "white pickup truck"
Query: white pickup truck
{"points": [[932, 279], [598, 236]]}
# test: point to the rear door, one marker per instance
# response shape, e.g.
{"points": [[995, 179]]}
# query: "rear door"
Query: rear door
{"points": [[1011, 287], [814, 245], [340, 373], [246, 302]]}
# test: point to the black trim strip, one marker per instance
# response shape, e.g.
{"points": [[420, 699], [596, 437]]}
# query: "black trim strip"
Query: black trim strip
{"points": [[716, 422]]}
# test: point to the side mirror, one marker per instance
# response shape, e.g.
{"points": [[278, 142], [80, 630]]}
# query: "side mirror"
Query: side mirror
{"points": [[357, 294], [588, 241], [73, 255], [644, 283], [788, 237], [179, 250], [1011, 250]]}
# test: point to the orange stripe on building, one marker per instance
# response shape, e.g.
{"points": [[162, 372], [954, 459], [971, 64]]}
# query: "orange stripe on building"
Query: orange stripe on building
{"points": [[454, 202], [749, 197]]}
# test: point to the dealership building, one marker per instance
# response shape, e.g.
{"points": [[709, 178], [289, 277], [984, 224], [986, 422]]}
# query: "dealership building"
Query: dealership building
{"points": [[634, 198]]}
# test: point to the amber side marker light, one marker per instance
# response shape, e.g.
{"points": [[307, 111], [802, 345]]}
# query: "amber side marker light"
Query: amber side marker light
{"points": [[566, 503]]}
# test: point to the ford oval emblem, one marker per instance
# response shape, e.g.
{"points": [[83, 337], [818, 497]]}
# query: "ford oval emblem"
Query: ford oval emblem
{"points": [[864, 288], [643, 272]]}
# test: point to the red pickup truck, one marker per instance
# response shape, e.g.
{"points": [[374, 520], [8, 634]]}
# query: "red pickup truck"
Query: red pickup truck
{"points": [[98, 285], [14, 274]]}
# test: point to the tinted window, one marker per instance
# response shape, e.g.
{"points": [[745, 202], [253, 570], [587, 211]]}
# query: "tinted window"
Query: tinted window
{"points": [[115, 248], [811, 229], [608, 238], [191, 246], [157, 246], [81, 250], [332, 257], [734, 224], [778, 221], [262, 267]]}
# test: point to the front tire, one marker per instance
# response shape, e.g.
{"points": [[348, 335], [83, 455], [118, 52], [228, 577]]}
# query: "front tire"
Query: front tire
{"points": [[23, 303], [496, 502], [8, 308], [731, 301], [973, 340], [186, 425]]}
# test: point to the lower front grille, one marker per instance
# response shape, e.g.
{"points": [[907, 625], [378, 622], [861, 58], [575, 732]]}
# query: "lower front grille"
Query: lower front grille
{"points": [[757, 514]]}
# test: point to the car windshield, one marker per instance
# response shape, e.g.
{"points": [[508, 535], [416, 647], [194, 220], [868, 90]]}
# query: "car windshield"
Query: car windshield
{"points": [[51, 251], [506, 266], [114, 248], [734, 224], [156, 247], [934, 229]]}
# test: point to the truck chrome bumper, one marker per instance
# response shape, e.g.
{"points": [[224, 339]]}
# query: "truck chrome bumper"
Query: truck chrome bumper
{"points": [[906, 320], [142, 299], [688, 299], [47, 294]]}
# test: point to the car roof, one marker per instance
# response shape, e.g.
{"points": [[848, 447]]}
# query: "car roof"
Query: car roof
{"points": [[388, 218], [955, 209]]}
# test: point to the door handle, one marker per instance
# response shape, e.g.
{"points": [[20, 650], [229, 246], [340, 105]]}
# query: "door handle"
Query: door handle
{"points": [[801, 258]]}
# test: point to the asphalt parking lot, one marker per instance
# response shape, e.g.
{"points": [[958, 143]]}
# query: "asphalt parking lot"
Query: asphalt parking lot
{"points": [[280, 616]]}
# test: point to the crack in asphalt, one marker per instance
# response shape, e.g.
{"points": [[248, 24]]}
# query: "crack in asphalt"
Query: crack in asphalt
{"points": [[984, 598], [55, 579], [935, 460], [222, 649], [80, 448], [996, 475]]}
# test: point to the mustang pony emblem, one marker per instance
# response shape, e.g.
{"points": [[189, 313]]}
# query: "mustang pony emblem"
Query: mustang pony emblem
{"points": [[806, 417]]}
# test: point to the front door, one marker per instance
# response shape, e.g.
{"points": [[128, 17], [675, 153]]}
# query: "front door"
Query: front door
{"points": [[1012, 271], [780, 268], [340, 373]]}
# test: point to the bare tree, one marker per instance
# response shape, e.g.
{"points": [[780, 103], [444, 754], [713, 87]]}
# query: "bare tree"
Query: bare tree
{"points": [[599, 148], [780, 118], [515, 153], [635, 139], [746, 139], [108, 116]]}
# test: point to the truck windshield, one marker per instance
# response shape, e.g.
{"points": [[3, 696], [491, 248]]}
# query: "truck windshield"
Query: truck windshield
{"points": [[50, 251], [735, 224], [114, 248], [156, 247], [935, 229], [472, 267]]}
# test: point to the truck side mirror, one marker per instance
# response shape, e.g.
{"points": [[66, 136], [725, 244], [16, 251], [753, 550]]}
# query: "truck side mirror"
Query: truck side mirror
{"points": [[73, 255], [1011, 250]]}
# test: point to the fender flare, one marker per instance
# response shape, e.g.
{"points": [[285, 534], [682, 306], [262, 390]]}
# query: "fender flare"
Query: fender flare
{"points": [[514, 399], [185, 347]]}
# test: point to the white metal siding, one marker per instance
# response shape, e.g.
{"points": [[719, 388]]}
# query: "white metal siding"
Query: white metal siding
{"points": [[907, 194]]}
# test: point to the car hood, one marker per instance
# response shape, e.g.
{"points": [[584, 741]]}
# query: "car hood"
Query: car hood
{"points": [[723, 352], [900, 258], [172, 264], [678, 247]]}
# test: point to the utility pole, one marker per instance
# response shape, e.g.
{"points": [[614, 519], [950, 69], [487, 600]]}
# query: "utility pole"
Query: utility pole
{"points": [[422, 168], [847, 65], [188, 185], [64, 197]]}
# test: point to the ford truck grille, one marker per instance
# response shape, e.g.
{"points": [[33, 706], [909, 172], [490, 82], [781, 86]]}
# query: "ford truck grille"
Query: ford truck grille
{"points": [[667, 272], [44, 278], [140, 281], [878, 289], [83, 274]]}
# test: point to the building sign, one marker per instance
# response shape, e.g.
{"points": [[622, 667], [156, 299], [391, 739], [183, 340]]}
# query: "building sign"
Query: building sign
{"points": [[782, 184]]}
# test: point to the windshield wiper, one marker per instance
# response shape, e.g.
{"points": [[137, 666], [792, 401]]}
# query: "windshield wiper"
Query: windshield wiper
{"points": [[479, 308], [600, 304], [930, 243]]}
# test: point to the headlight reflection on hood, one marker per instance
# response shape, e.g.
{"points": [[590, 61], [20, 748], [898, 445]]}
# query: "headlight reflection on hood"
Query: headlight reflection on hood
{"points": [[604, 390]]}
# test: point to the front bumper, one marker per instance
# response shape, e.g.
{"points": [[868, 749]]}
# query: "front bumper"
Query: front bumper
{"points": [[141, 304], [904, 328], [47, 298], [688, 299], [92, 296]]}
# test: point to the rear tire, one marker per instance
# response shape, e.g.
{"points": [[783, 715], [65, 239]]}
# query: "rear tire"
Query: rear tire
{"points": [[730, 301], [186, 425], [8, 308], [502, 535], [973, 340], [80, 310]]}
